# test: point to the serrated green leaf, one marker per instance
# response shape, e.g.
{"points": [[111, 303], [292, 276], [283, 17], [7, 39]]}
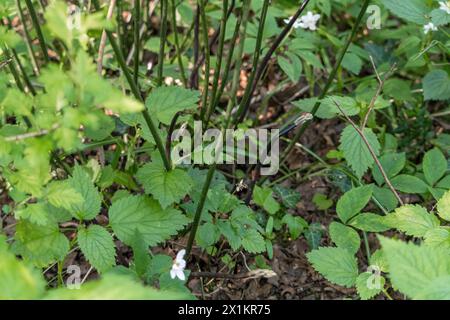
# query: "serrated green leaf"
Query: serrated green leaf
{"points": [[36, 213], [369, 222], [144, 214], [41, 245], [392, 164], [165, 102], [409, 184], [292, 67], [253, 241], [61, 195], [413, 268], [355, 150], [90, 206], [289, 197], [439, 17], [167, 187], [434, 165], [369, 285], [295, 224], [409, 10], [337, 265], [436, 85], [414, 220], [438, 237], [98, 247], [443, 206], [344, 237], [353, 201]]}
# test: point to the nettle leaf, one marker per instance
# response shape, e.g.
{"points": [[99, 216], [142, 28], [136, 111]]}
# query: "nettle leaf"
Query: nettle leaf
{"points": [[17, 280], [443, 206], [253, 241], [352, 63], [409, 10], [145, 215], [40, 244], [438, 237], [355, 150], [392, 164], [369, 285], [353, 201], [436, 85], [165, 102], [409, 184], [62, 195], [434, 165], [321, 201], [90, 206], [167, 187], [36, 213], [413, 269], [337, 265], [263, 197], [207, 235], [369, 222], [414, 220], [97, 245], [345, 237]]}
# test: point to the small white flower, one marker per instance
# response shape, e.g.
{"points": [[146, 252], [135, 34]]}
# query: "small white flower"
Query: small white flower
{"points": [[429, 27], [149, 66], [445, 6], [179, 264], [308, 21]]}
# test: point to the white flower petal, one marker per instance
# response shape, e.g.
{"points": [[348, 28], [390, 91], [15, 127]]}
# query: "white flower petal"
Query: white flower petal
{"points": [[180, 275], [173, 273], [180, 255]]}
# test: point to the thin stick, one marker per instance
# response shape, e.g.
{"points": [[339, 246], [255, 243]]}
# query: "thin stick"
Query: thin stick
{"points": [[207, 58], [29, 135], [194, 80], [137, 18], [101, 48], [177, 44], [35, 20], [24, 73], [372, 152], [159, 80]]}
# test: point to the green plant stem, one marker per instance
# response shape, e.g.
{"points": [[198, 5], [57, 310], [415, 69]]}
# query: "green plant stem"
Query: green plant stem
{"points": [[177, 43], [135, 90], [329, 82], [13, 70], [24, 73], [137, 18], [248, 90], [219, 55], [204, 23], [28, 41], [162, 45], [35, 20]]}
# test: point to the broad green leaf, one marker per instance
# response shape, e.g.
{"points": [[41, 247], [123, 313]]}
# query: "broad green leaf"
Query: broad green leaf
{"points": [[436, 85], [353, 201], [409, 10], [434, 165], [292, 66], [345, 237], [263, 197], [90, 206], [165, 102], [295, 224], [414, 220], [443, 206], [36, 213], [369, 222], [398, 89], [145, 215], [17, 280], [352, 63], [141, 256], [207, 235], [41, 245], [115, 287], [61, 195], [289, 197], [337, 265], [253, 242], [438, 237], [321, 201], [386, 198], [328, 108], [369, 285], [438, 289], [392, 164], [167, 187], [98, 247], [413, 268], [439, 17], [355, 150], [409, 184]]}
